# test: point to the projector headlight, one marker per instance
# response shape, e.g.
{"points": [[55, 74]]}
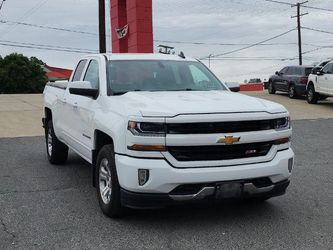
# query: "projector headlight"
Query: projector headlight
{"points": [[146, 128], [282, 123]]}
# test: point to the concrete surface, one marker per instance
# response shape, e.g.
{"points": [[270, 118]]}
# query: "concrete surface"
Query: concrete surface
{"points": [[299, 108], [55, 207], [20, 115]]}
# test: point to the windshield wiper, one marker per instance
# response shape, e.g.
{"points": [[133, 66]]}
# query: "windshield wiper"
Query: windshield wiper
{"points": [[124, 92]]}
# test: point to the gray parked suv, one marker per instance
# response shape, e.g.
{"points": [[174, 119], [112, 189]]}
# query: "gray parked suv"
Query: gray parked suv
{"points": [[290, 79]]}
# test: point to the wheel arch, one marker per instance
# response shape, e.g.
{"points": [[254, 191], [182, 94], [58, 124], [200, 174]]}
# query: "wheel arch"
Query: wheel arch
{"points": [[100, 139], [310, 83]]}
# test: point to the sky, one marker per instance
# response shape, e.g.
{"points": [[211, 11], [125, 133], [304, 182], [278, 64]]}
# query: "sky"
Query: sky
{"points": [[213, 22]]}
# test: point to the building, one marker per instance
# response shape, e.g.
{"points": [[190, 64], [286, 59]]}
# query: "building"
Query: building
{"points": [[56, 74]]}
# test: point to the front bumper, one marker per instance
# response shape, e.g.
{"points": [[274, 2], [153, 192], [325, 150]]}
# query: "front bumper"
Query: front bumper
{"points": [[163, 178], [150, 200]]}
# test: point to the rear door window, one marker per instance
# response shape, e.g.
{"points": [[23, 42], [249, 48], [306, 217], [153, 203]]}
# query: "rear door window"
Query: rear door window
{"points": [[290, 71], [78, 71]]}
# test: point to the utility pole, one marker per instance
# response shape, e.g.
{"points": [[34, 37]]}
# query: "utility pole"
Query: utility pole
{"points": [[298, 16], [210, 55], [102, 37]]}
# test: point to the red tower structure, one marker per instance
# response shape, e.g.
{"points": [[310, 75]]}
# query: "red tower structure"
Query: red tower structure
{"points": [[132, 26]]}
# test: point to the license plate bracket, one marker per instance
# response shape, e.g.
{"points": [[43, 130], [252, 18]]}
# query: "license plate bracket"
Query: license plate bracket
{"points": [[226, 190]]}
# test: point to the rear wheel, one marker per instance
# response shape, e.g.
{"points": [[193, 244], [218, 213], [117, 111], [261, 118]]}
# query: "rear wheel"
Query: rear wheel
{"points": [[292, 91], [107, 185], [57, 152], [271, 88], [312, 97]]}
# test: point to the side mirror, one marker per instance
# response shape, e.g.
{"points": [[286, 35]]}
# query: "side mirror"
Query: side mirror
{"points": [[233, 86], [315, 70], [83, 88], [320, 73], [277, 73]]}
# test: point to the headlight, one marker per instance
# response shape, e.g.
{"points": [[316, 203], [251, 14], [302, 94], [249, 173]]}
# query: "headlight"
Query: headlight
{"points": [[146, 128], [282, 123]]}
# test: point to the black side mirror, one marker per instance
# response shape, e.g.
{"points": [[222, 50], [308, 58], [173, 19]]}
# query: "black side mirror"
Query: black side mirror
{"points": [[277, 73], [84, 92], [83, 88]]}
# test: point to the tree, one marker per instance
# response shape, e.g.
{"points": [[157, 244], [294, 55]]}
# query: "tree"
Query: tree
{"points": [[20, 74]]}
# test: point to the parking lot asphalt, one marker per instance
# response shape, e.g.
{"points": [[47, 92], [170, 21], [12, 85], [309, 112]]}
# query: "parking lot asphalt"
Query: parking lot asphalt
{"points": [[55, 207]]}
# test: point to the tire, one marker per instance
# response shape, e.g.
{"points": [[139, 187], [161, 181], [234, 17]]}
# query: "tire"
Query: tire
{"points": [[292, 91], [57, 152], [312, 97], [271, 88], [323, 98], [107, 184]]}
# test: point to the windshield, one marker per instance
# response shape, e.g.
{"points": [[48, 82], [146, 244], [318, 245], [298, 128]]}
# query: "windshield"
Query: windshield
{"points": [[159, 75]]}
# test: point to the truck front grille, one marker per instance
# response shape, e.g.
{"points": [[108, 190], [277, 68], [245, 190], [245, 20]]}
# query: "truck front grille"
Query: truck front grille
{"points": [[221, 127], [219, 152]]}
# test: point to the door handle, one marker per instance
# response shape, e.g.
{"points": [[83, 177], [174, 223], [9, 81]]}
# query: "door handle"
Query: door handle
{"points": [[75, 105]]}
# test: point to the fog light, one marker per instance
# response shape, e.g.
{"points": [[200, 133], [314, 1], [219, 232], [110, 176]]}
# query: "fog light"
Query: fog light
{"points": [[290, 164], [143, 176]]}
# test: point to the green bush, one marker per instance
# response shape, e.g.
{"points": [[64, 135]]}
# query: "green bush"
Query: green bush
{"points": [[20, 74]]}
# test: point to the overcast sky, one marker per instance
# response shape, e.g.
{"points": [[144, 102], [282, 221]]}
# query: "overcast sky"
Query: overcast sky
{"points": [[209, 21]]}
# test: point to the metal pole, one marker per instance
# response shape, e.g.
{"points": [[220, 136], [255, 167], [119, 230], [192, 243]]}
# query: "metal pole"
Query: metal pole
{"points": [[102, 37], [299, 33]]}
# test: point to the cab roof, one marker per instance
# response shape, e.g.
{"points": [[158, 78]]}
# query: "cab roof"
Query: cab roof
{"points": [[147, 56]]}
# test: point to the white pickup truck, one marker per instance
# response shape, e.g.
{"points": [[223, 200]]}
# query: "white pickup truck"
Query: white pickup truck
{"points": [[162, 129], [320, 84]]}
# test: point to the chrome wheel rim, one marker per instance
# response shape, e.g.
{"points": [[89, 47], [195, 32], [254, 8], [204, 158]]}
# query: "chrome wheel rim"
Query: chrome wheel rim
{"points": [[291, 91], [105, 183], [49, 142], [310, 94]]}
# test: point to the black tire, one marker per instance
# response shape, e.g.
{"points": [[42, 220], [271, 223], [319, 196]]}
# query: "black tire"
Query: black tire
{"points": [[271, 88], [110, 203], [292, 91], [57, 152], [312, 96]]}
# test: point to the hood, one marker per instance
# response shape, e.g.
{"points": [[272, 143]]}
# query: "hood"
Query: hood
{"points": [[172, 103]]}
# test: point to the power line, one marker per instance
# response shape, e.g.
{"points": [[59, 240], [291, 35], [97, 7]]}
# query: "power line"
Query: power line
{"points": [[317, 30], [45, 47], [219, 44], [305, 6], [252, 45], [48, 27], [25, 16]]}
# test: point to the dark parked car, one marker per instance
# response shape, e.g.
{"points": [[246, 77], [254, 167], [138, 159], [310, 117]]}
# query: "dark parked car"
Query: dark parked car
{"points": [[290, 79]]}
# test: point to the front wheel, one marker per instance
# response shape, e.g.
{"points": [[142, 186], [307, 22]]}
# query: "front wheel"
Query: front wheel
{"points": [[107, 185], [292, 91], [57, 152], [312, 97]]}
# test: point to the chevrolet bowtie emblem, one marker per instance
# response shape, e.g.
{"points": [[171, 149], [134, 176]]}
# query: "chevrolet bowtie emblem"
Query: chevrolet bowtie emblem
{"points": [[229, 140]]}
